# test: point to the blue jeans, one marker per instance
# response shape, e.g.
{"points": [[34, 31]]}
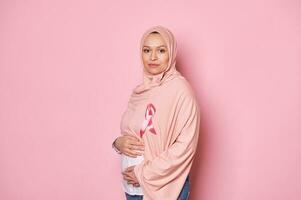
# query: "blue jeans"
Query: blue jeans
{"points": [[184, 194]]}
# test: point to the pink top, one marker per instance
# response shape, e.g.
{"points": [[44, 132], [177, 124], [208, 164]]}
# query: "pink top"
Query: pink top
{"points": [[167, 110]]}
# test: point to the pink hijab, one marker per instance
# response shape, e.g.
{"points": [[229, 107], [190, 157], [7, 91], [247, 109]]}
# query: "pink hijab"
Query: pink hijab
{"points": [[163, 112], [150, 80]]}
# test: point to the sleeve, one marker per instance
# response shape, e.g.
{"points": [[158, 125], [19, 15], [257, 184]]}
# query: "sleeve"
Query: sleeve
{"points": [[174, 163]]}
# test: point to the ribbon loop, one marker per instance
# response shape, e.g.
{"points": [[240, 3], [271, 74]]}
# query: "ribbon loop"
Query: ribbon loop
{"points": [[148, 123]]}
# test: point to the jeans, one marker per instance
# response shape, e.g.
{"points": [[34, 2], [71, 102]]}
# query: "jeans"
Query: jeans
{"points": [[184, 194]]}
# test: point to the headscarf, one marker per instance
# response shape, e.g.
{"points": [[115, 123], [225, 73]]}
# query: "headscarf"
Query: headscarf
{"points": [[170, 72]]}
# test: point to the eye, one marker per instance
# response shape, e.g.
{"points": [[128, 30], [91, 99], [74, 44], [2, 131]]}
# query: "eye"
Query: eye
{"points": [[145, 50], [162, 50]]}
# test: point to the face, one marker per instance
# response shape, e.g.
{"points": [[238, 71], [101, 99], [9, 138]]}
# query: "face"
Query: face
{"points": [[155, 54]]}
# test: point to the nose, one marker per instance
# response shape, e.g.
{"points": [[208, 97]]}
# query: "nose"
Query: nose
{"points": [[153, 55]]}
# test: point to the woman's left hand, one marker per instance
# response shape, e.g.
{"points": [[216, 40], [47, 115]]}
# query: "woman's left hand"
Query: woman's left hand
{"points": [[130, 177]]}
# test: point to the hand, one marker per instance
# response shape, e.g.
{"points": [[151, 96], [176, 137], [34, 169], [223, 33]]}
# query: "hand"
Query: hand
{"points": [[130, 145], [130, 177]]}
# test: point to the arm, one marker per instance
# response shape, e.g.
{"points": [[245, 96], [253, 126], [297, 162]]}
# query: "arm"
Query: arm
{"points": [[176, 161]]}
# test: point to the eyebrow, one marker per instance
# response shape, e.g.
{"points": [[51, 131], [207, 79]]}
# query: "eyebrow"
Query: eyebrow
{"points": [[155, 46]]}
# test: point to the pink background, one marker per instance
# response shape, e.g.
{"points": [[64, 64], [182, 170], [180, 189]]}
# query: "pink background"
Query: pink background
{"points": [[68, 67]]}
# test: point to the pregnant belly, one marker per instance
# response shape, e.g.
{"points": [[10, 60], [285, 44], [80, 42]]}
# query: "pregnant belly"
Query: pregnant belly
{"points": [[127, 161]]}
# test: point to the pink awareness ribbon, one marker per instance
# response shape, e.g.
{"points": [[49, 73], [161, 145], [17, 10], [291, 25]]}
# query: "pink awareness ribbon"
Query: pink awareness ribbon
{"points": [[148, 123]]}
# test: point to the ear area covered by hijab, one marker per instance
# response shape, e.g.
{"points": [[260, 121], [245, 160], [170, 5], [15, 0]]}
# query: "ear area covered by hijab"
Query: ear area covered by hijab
{"points": [[149, 80]]}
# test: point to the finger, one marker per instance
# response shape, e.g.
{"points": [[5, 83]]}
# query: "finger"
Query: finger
{"points": [[131, 167], [136, 185], [136, 143], [132, 183], [131, 137], [133, 177], [136, 147], [128, 178], [137, 152], [132, 153], [127, 172], [124, 173], [134, 150]]}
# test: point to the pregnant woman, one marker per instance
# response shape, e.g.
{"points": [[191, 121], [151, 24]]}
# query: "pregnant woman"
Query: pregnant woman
{"points": [[160, 127]]}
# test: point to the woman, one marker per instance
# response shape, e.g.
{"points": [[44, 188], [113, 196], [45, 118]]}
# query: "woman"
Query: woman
{"points": [[160, 127]]}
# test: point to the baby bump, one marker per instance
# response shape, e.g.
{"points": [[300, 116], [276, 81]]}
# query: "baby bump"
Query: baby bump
{"points": [[127, 161]]}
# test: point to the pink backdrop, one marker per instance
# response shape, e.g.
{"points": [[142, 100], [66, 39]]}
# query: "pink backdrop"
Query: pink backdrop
{"points": [[67, 69]]}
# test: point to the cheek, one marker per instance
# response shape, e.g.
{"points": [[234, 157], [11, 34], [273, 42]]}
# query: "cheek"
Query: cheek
{"points": [[165, 59], [144, 58], [164, 62]]}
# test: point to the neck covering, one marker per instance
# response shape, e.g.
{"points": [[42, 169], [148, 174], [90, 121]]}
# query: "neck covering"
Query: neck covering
{"points": [[163, 112], [149, 80]]}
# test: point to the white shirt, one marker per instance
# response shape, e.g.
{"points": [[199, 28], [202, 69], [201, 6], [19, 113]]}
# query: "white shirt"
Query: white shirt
{"points": [[126, 162]]}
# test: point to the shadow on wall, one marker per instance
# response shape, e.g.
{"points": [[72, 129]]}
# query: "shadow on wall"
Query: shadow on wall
{"points": [[199, 161]]}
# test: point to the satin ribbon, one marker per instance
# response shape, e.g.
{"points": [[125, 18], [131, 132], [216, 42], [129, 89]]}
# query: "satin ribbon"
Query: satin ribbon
{"points": [[148, 123]]}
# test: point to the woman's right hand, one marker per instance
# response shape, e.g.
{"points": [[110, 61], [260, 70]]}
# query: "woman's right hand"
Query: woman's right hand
{"points": [[129, 145]]}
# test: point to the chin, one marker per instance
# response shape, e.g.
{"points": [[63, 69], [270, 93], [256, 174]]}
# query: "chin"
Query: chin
{"points": [[154, 72]]}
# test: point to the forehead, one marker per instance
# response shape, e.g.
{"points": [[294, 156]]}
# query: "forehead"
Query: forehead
{"points": [[154, 40]]}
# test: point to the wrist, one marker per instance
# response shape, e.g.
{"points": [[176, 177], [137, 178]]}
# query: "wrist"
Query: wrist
{"points": [[115, 147]]}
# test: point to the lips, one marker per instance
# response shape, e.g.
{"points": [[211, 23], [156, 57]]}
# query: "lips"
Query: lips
{"points": [[153, 65]]}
